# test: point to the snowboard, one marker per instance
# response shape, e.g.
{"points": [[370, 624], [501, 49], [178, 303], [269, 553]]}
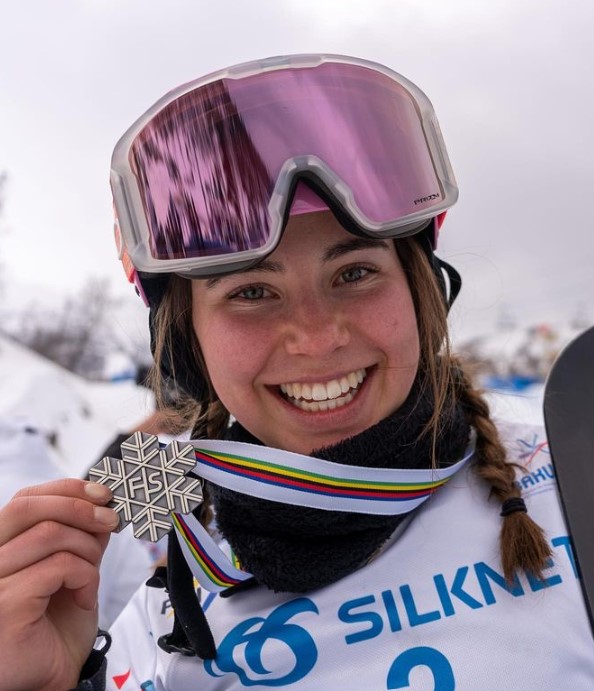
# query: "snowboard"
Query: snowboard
{"points": [[569, 421]]}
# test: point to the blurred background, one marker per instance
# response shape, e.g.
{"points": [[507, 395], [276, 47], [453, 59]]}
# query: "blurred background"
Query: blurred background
{"points": [[512, 86]]}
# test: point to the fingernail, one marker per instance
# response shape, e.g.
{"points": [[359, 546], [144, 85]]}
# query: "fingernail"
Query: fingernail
{"points": [[98, 492], [106, 516]]}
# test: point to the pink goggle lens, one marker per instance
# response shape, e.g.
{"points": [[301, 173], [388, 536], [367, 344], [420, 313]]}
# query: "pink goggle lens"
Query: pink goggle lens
{"points": [[208, 163]]}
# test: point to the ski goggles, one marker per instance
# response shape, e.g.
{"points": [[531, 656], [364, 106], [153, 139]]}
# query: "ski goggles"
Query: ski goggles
{"points": [[204, 181]]}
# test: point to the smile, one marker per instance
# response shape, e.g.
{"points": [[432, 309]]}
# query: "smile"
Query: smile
{"points": [[324, 395]]}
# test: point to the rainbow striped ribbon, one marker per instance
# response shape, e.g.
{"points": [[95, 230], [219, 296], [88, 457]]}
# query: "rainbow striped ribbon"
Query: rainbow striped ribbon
{"points": [[292, 478], [210, 566]]}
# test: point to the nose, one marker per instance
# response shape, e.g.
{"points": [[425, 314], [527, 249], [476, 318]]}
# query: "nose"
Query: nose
{"points": [[316, 327]]}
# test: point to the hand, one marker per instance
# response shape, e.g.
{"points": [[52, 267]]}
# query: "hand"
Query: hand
{"points": [[52, 538]]}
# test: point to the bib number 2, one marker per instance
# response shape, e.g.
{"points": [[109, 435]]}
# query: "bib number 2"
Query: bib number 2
{"points": [[399, 674]]}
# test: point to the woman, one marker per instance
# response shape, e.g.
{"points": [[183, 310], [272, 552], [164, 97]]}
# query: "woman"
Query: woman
{"points": [[279, 219]]}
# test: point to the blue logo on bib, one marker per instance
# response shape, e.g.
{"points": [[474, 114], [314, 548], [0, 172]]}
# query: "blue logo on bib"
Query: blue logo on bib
{"points": [[268, 651]]}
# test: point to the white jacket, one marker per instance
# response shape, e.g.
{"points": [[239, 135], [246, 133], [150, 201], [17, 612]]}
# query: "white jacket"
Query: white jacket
{"points": [[432, 611]]}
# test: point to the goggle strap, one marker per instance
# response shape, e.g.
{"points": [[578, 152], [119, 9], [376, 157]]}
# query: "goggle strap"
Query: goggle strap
{"points": [[454, 280], [450, 288]]}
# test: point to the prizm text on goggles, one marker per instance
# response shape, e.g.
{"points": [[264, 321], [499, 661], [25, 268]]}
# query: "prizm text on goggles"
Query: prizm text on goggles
{"points": [[203, 181]]}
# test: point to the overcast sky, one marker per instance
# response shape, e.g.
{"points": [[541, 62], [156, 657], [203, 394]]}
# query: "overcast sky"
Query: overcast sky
{"points": [[512, 82]]}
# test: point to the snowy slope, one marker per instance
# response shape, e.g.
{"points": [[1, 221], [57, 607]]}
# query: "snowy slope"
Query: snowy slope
{"points": [[80, 416]]}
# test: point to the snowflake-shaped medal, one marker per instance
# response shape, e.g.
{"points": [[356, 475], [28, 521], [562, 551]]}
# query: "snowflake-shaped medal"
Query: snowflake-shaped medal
{"points": [[148, 483]]}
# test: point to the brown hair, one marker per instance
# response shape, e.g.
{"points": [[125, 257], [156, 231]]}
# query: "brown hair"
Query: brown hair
{"points": [[522, 542]]}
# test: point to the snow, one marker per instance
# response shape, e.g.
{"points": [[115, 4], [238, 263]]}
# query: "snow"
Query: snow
{"points": [[79, 415]]}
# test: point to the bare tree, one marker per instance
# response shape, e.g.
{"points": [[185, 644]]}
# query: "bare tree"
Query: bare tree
{"points": [[78, 335]]}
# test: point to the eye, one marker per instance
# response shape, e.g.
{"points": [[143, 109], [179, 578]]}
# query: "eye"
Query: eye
{"points": [[353, 274], [249, 293]]}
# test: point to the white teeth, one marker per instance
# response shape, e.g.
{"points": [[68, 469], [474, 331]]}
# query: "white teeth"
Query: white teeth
{"points": [[324, 396], [318, 392], [315, 406], [333, 389]]}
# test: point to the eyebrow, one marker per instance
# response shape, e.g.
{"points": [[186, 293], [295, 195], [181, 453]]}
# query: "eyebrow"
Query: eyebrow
{"points": [[353, 244], [265, 265], [334, 252]]}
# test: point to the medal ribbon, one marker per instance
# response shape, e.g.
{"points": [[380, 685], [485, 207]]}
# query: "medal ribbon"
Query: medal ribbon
{"points": [[291, 478]]}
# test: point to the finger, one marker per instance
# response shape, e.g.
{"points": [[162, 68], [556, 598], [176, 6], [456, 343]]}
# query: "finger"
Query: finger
{"points": [[44, 539], [26, 510], [69, 487], [25, 596], [103, 540], [76, 575]]}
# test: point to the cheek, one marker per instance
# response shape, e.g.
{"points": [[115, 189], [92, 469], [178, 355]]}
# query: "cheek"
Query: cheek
{"points": [[230, 353], [403, 352], [408, 333], [395, 324]]}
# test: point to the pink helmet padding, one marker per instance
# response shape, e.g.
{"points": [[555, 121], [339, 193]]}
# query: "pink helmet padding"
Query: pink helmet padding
{"points": [[306, 201]]}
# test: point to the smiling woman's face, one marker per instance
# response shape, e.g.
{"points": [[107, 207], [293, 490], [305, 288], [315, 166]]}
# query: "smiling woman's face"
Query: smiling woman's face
{"points": [[315, 344]]}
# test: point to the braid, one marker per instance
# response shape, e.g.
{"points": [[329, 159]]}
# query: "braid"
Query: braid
{"points": [[522, 541]]}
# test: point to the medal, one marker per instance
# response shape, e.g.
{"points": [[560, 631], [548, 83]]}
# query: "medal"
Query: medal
{"points": [[149, 483]]}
